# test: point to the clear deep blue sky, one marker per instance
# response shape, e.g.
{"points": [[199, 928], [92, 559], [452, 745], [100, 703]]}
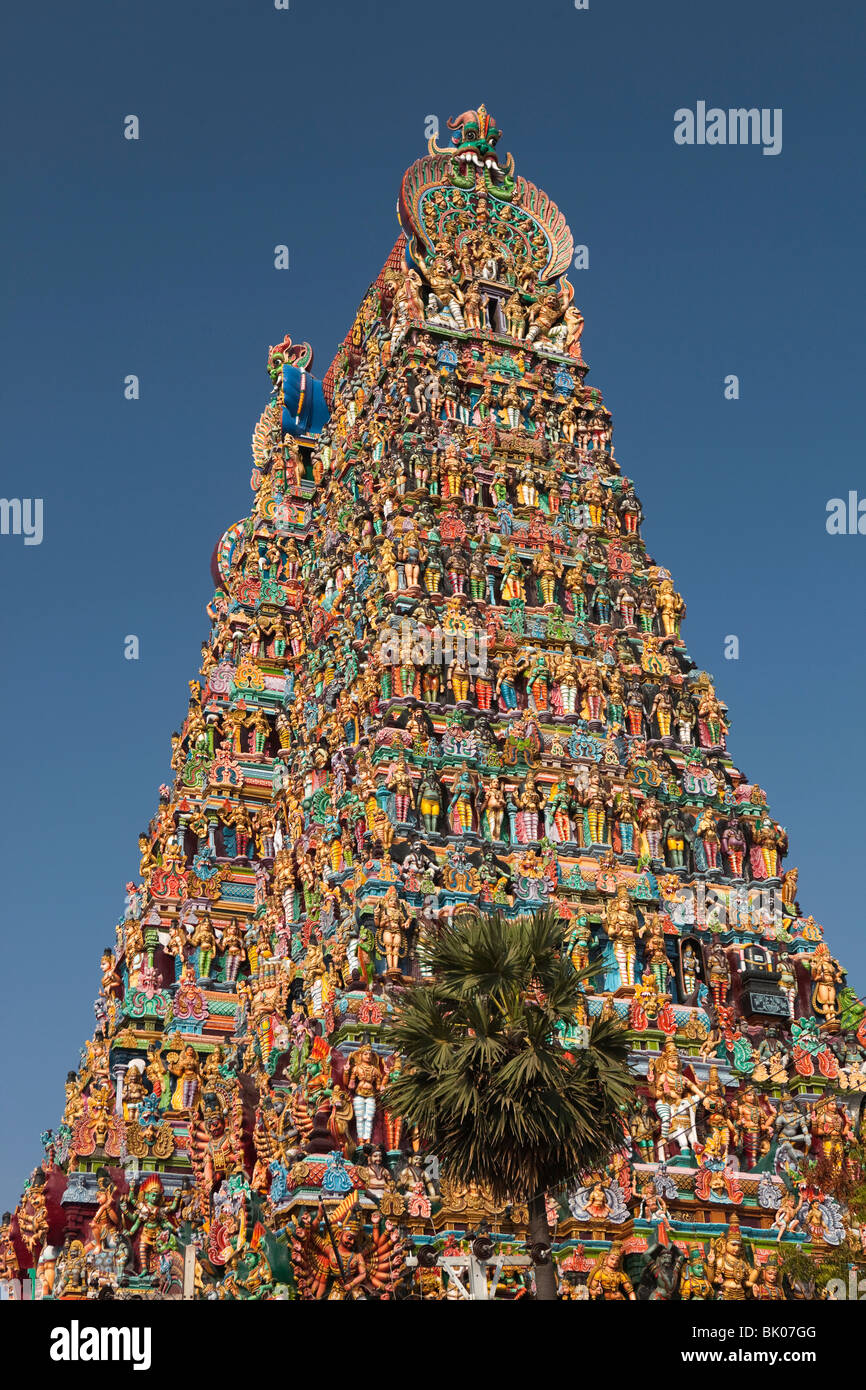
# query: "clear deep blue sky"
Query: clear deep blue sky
{"points": [[261, 127]]}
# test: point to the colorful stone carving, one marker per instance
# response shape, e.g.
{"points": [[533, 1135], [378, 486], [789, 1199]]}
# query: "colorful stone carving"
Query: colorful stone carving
{"points": [[443, 673]]}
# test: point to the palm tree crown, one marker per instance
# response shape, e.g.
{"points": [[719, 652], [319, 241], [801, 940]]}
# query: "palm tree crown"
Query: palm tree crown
{"points": [[489, 1077]]}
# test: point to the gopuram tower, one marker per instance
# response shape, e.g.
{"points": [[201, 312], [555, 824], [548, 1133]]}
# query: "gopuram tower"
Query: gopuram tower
{"points": [[443, 673]]}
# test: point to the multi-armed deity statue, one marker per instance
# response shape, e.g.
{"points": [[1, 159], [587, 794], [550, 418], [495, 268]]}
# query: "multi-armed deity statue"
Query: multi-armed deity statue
{"points": [[443, 672]]}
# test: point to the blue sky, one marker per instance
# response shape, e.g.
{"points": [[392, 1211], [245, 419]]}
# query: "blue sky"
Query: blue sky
{"points": [[155, 257]]}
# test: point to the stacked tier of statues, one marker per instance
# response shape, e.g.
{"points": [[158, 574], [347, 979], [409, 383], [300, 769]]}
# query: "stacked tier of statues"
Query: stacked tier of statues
{"points": [[443, 674]]}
